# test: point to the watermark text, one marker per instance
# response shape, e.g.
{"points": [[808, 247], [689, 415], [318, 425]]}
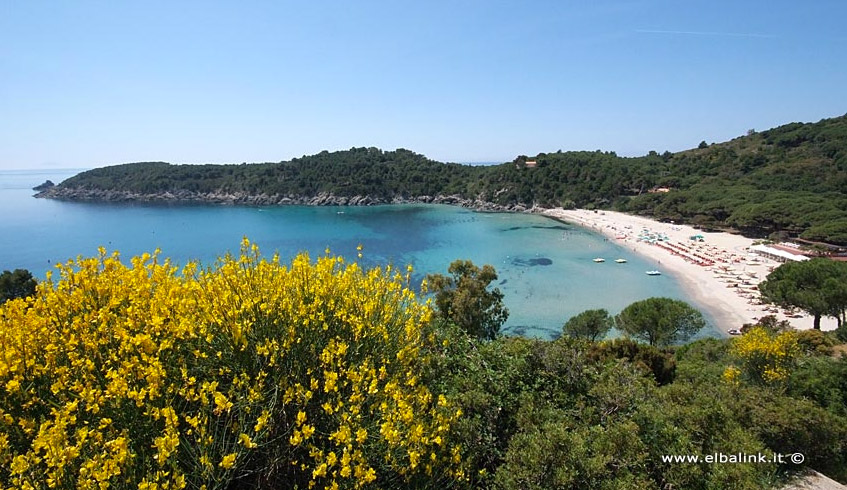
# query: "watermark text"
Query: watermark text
{"points": [[724, 458]]}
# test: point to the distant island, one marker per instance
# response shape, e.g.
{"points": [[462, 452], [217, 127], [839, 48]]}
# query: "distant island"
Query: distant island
{"points": [[790, 181]]}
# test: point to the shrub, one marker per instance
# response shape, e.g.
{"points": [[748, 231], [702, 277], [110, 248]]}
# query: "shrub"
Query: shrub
{"points": [[788, 425], [822, 380], [661, 364], [765, 357], [557, 455], [814, 342], [249, 371]]}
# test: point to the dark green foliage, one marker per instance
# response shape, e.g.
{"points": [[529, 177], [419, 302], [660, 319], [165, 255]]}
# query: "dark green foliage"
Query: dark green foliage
{"points": [[557, 455], [817, 286], [16, 284], [702, 359], [576, 414], [490, 381], [572, 413], [660, 321], [790, 179], [822, 380], [589, 325], [464, 299], [769, 322], [815, 342], [708, 351], [355, 172], [694, 418], [789, 425], [834, 231], [661, 364], [808, 418]]}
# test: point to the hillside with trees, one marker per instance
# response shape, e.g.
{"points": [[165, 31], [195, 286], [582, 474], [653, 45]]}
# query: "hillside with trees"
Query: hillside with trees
{"points": [[355, 172], [790, 180]]}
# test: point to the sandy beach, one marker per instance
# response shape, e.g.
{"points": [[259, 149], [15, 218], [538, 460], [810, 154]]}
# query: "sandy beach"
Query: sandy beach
{"points": [[725, 278]]}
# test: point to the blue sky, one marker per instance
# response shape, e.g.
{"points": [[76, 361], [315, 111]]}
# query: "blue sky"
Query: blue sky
{"points": [[85, 84]]}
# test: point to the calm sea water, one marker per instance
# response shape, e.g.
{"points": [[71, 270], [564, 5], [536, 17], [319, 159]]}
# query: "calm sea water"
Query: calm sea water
{"points": [[544, 266]]}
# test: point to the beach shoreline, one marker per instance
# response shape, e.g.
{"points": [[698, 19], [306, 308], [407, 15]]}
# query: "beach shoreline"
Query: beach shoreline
{"points": [[705, 285]]}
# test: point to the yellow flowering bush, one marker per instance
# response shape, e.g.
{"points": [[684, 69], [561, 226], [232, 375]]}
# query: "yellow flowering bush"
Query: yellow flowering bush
{"points": [[731, 375], [146, 376], [765, 357]]}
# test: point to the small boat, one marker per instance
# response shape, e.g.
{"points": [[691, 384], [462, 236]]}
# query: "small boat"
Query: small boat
{"points": [[599, 259], [653, 273], [734, 331], [620, 261]]}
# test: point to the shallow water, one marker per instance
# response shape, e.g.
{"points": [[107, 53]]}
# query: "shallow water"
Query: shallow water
{"points": [[545, 267]]}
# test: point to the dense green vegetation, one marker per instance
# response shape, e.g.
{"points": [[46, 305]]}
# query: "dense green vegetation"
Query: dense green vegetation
{"points": [[356, 172], [790, 180], [16, 284], [572, 413]]}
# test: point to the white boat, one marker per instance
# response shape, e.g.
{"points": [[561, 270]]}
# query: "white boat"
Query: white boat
{"points": [[620, 261], [653, 273], [599, 259]]}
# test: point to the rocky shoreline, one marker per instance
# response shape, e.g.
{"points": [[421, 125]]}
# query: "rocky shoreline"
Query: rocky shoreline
{"points": [[245, 199]]}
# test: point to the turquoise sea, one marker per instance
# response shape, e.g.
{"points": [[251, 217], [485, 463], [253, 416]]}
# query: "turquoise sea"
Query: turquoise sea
{"points": [[545, 267]]}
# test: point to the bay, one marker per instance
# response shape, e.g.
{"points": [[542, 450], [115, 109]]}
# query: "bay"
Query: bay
{"points": [[545, 267]]}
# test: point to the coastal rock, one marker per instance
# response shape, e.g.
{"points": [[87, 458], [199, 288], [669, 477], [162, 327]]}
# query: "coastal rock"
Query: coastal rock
{"points": [[43, 187], [243, 198]]}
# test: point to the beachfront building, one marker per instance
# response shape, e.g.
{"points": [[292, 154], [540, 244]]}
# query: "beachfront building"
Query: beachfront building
{"points": [[778, 254]]}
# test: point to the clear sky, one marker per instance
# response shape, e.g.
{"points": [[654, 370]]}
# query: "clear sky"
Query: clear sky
{"points": [[85, 83]]}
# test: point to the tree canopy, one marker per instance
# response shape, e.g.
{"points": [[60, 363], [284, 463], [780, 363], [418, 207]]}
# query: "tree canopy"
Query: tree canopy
{"points": [[463, 298], [590, 324], [817, 286], [660, 321]]}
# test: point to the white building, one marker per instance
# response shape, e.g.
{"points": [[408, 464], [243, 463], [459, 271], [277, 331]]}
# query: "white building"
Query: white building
{"points": [[776, 254]]}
